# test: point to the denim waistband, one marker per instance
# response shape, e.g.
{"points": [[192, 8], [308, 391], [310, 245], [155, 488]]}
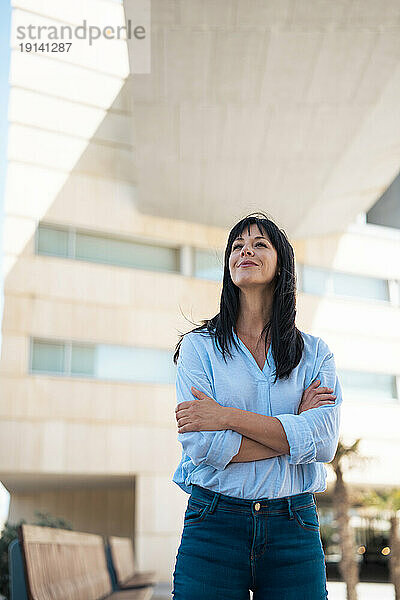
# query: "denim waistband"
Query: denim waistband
{"points": [[260, 506]]}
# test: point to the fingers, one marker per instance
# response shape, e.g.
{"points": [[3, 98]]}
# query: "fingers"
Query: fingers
{"points": [[181, 408], [197, 393], [183, 405], [314, 384], [315, 405], [314, 392], [181, 412], [322, 402], [188, 426], [319, 397]]}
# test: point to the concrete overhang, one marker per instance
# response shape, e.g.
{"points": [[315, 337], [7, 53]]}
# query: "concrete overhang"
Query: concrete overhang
{"points": [[289, 107]]}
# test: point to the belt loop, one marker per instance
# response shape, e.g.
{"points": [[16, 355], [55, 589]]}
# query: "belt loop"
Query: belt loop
{"points": [[214, 502], [291, 516]]}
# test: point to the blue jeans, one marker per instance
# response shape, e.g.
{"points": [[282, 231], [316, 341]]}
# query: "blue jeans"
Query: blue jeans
{"points": [[230, 546]]}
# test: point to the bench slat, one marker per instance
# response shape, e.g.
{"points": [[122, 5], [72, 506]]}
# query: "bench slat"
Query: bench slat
{"points": [[63, 564]]}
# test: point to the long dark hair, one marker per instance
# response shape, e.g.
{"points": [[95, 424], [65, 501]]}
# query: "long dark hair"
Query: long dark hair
{"points": [[286, 340]]}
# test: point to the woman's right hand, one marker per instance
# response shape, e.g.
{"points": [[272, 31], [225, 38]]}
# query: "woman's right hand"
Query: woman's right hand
{"points": [[314, 396]]}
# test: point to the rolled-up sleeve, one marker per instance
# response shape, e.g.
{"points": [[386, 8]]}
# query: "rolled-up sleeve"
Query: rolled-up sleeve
{"points": [[213, 448], [314, 434]]}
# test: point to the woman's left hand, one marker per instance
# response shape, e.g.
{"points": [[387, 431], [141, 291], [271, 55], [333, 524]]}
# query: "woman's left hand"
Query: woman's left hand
{"points": [[202, 414]]}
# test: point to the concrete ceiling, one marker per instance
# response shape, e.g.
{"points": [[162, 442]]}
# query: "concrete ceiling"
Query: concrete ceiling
{"points": [[287, 106]]}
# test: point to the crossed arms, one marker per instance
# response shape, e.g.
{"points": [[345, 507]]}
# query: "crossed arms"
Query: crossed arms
{"points": [[251, 450], [311, 436]]}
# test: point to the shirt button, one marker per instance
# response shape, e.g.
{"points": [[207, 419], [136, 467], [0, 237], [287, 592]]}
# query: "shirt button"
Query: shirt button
{"points": [[257, 506]]}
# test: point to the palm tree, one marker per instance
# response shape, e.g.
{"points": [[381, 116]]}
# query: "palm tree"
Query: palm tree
{"points": [[345, 457], [387, 502]]}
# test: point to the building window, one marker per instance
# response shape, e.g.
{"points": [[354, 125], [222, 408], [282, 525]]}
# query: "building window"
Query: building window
{"points": [[93, 247], [52, 241], [357, 286], [368, 386], [208, 264], [322, 282], [48, 357], [102, 361], [315, 281], [83, 359]]}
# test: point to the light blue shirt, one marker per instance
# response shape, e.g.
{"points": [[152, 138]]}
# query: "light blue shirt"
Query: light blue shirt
{"points": [[313, 435]]}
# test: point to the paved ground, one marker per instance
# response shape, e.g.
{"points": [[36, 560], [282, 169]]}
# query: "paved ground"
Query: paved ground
{"points": [[336, 591], [366, 591]]}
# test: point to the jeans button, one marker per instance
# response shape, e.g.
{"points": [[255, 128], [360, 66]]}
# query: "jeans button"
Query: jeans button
{"points": [[257, 506]]}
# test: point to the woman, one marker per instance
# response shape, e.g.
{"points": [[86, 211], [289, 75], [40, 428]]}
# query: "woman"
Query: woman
{"points": [[258, 414]]}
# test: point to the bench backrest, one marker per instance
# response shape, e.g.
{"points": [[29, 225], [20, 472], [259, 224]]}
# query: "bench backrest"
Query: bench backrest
{"points": [[63, 564], [122, 557], [16, 572]]}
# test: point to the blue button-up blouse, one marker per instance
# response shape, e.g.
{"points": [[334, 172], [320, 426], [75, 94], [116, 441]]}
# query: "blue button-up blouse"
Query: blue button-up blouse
{"points": [[312, 435]]}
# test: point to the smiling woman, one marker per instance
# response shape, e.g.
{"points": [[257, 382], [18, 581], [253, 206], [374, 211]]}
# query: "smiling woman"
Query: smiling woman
{"points": [[256, 419]]}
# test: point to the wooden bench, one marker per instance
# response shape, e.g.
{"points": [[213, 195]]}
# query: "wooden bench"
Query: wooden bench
{"points": [[68, 565], [123, 562]]}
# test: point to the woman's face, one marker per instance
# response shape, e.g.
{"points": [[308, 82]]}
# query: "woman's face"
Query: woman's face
{"points": [[255, 248]]}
